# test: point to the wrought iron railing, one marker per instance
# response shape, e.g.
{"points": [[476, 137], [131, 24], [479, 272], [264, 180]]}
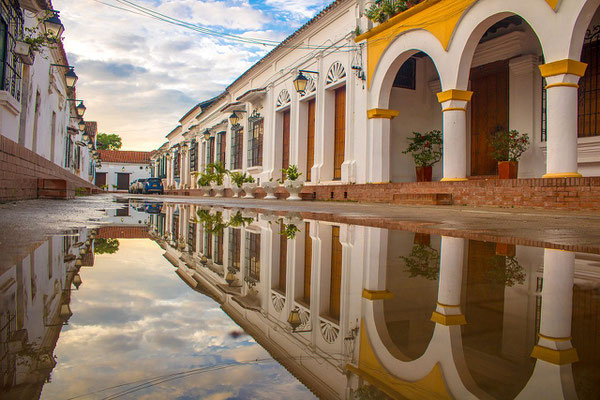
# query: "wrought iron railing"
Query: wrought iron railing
{"points": [[11, 28]]}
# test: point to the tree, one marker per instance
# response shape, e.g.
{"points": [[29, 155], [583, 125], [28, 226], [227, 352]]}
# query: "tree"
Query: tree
{"points": [[106, 141], [105, 246]]}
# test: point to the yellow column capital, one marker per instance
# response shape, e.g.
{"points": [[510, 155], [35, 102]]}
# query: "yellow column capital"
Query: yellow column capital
{"points": [[566, 66], [556, 357], [454, 94], [447, 320], [377, 294], [382, 113]]}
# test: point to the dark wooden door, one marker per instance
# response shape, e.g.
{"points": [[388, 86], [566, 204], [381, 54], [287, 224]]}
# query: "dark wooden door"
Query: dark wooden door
{"points": [[310, 140], [282, 259], [122, 181], [335, 287], [340, 132], [489, 113], [307, 262], [101, 179], [285, 159]]}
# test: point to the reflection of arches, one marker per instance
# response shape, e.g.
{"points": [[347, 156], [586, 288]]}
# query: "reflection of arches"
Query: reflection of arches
{"points": [[336, 72]]}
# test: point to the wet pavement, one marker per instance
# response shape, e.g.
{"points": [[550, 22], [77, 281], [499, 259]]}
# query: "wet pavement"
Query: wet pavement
{"points": [[108, 297]]}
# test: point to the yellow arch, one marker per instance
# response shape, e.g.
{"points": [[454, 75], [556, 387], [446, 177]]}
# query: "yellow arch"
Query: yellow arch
{"points": [[553, 4]]}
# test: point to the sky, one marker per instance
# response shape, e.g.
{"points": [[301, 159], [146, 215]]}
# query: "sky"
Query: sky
{"points": [[139, 76], [135, 319]]}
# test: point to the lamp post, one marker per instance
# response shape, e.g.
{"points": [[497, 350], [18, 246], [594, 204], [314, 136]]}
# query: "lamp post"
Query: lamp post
{"points": [[301, 80], [53, 25], [81, 124], [295, 321], [70, 76], [234, 119], [206, 134], [80, 109]]}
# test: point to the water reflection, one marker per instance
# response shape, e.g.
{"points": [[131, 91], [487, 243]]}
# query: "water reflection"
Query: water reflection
{"points": [[350, 311]]}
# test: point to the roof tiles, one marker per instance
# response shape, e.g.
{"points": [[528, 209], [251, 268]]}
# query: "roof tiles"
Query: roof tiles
{"points": [[126, 157]]}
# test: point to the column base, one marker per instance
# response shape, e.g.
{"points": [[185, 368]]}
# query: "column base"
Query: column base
{"points": [[377, 294], [556, 357], [453, 179], [456, 319], [563, 175]]}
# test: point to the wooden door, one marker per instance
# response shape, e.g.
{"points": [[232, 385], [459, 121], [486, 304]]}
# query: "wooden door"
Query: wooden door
{"points": [[122, 181], [340, 132], [101, 179], [310, 140], [335, 287], [489, 114], [282, 259], [307, 262], [285, 158]]}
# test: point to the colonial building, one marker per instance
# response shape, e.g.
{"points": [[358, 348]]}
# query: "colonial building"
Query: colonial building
{"points": [[41, 128], [119, 168], [467, 68]]}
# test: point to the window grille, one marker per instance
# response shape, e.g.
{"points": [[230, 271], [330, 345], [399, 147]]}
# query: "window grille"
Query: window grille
{"points": [[11, 28], [406, 76], [177, 164], [235, 244], [237, 147], [219, 248], [252, 266], [589, 104], [175, 227], [194, 155], [192, 236], [544, 136], [255, 142]]}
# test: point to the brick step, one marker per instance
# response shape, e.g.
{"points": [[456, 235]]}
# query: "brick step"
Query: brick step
{"points": [[437, 199]]}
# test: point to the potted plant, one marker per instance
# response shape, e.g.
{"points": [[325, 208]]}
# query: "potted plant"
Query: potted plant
{"points": [[508, 146], [270, 187], [248, 187], [292, 183], [204, 183], [237, 181], [381, 10], [217, 172], [238, 220], [426, 150]]}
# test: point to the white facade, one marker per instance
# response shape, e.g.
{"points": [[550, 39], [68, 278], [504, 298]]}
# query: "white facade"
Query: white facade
{"points": [[112, 171]]}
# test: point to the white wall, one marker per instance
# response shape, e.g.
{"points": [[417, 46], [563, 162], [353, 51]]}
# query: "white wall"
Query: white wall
{"points": [[112, 169]]}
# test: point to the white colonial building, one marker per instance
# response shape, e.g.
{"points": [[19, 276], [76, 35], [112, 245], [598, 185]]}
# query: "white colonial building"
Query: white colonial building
{"points": [[119, 168]]}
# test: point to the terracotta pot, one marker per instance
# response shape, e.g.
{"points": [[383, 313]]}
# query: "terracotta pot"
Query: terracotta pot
{"points": [[508, 169], [424, 174]]}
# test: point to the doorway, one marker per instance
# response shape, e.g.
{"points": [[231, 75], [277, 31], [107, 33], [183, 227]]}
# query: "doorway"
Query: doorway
{"points": [[122, 181]]}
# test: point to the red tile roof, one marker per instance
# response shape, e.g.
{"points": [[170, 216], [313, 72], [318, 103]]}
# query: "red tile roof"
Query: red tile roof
{"points": [[91, 128], [126, 157], [123, 232]]}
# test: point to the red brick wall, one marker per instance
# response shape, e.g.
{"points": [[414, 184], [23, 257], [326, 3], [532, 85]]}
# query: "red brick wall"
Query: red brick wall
{"points": [[558, 194], [20, 170]]}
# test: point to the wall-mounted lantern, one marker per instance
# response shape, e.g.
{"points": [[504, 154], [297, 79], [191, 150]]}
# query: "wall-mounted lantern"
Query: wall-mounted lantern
{"points": [[53, 25], [301, 80]]}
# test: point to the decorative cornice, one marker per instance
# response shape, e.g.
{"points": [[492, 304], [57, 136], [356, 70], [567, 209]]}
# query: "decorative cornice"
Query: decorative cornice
{"points": [[454, 94], [561, 67], [382, 113]]}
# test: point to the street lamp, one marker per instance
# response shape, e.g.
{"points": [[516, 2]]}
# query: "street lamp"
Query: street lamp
{"points": [[234, 119], [53, 25], [71, 77], [206, 134], [81, 124], [295, 321], [85, 137], [77, 281], [81, 109], [301, 81]]}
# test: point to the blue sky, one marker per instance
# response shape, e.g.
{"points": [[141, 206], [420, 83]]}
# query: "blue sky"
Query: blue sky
{"points": [[138, 76]]}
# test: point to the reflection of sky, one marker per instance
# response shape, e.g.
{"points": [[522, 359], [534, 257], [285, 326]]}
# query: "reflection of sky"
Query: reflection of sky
{"points": [[135, 319]]}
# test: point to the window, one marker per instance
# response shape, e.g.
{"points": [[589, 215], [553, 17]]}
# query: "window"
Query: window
{"points": [[307, 263], [192, 236], [310, 142], [335, 286], [210, 151], [175, 227], [221, 147], [194, 155], [340, 132], [285, 142], [219, 248], [253, 256], [236, 148], [208, 245], [177, 164], [235, 245], [282, 258], [255, 143], [11, 26], [406, 76], [589, 89]]}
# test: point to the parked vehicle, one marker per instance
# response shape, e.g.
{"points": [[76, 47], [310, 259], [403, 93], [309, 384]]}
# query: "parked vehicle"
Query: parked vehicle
{"points": [[153, 185], [153, 208], [132, 186], [139, 186]]}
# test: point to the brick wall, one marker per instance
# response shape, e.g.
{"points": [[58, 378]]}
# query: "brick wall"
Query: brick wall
{"points": [[558, 194], [27, 175]]}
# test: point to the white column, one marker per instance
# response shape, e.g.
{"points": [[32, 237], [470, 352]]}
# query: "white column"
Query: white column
{"points": [[454, 108], [561, 110], [448, 311], [380, 125]]}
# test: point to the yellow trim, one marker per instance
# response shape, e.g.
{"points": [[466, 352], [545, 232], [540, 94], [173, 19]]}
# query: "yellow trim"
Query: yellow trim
{"points": [[448, 320], [555, 339], [377, 294], [562, 84], [454, 109], [563, 175], [447, 305], [396, 19], [382, 113], [453, 179], [566, 66], [556, 357], [553, 4], [454, 94]]}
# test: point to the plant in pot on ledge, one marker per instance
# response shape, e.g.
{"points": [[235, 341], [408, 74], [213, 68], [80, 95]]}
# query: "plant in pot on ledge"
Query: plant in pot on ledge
{"points": [[508, 147], [238, 179], [270, 187], [218, 172], [204, 183], [292, 183], [426, 150]]}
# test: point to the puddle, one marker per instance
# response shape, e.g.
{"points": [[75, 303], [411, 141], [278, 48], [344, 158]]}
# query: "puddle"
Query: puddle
{"points": [[186, 301]]}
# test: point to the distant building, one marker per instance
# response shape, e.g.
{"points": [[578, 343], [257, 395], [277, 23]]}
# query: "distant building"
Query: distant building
{"points": [[119, 168]]}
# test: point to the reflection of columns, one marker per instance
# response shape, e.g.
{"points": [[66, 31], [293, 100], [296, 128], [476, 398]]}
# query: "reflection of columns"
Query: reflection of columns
{"points": [[448, 310], [554, 345], [561, 98], [380, 121], [454, 108]]}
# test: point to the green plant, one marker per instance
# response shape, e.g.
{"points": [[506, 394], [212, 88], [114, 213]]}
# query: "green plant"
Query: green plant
{"points": [[213, 223], [106, 246], [425, 149], [81, 191], [508, 145], [37, 39], [381, 10], [289, 231], [108, 141], [204, 179], [290, 173], [369, 392], [423, 261], [238, 220], [505, 271], [239, 178], [217, 172]]}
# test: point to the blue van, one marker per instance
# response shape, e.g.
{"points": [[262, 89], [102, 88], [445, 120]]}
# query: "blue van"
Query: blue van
{"points": [[153, 185]]}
